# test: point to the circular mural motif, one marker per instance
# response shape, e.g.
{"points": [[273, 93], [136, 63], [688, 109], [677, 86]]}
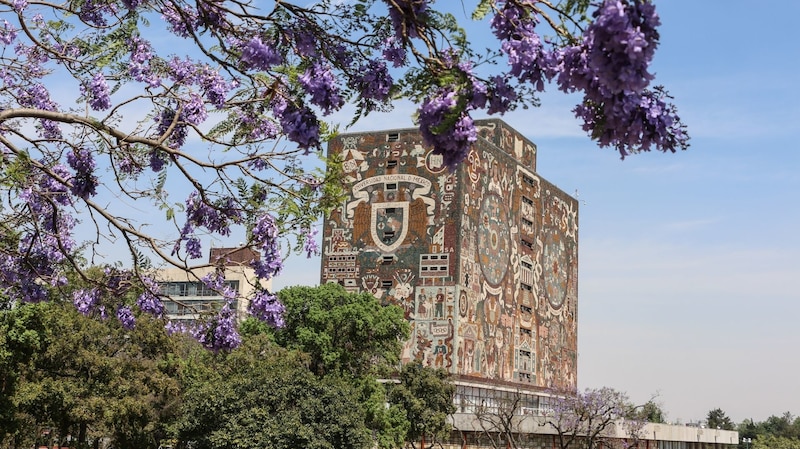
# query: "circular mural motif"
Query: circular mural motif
{"points": [[555, 261], [493, 239]]}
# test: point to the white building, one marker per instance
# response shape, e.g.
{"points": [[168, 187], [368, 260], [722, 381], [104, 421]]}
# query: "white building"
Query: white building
{"points": [[190, 297]]}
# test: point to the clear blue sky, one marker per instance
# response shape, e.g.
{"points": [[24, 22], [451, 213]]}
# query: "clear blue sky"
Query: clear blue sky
{"points": [[689, 265]]}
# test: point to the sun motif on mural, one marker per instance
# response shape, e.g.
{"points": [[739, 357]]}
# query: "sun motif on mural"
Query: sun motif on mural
{"points": [[494, 239], [555, 261]]}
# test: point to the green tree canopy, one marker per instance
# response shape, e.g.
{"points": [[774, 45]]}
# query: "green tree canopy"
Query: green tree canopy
{"points": [[346, 333], [87, 377], [425, 396], [261, 395], [717, 419]]}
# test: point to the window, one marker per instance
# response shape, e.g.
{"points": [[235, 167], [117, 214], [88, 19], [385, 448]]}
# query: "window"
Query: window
{"points": [[525, 332], [391, 164], [388, 259], [526, 265], [393, 137], [388, 236], [526, 287], [525, 309], [386, 283], [527, 201], [434, 265], [392, 186], [526, 222], [528, 180], [528, 244]]}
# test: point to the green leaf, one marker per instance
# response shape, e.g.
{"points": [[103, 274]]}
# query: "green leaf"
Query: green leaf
{"points": [[482, 9]]}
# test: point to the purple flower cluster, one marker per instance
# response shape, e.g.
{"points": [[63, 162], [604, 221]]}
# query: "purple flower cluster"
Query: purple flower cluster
{"points": [[265, 237], [86, 300], [36, 264], [374, 81], [320, 83], [515, 26], [408, 17], [266, 307], [125, 316], [299, 124], [139, 66], [97, 92], [214, 86], [258, 127], [149, 301], [8, 33], [305, 43], [446, 127], [610, 66], [394, 51], [260, 56], [84, 183], [181, 23], [620, 44], [131, 4], [310, 245], [37, 96], [93, 12], [220, 333], [157, 160], [216, 217]]}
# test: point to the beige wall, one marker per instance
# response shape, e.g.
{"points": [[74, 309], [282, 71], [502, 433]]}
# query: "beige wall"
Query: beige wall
{"points": [[241, 273]]}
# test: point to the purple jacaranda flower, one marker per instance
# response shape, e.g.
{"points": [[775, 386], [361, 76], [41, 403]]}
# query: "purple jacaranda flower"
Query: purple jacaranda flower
{"points": [[126, 318], [258, 55]]}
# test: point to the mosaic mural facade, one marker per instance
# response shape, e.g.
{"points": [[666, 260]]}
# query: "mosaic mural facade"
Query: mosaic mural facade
{"points": [[482, 260]]}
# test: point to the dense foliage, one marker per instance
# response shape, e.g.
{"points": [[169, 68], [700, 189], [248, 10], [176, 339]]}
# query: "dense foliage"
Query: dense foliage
{"points": [[85, 377], [153, 124], [65, 374], [776, 432]]}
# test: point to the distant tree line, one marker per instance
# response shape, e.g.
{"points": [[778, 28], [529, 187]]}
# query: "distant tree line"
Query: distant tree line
{"points": [[776, 432]]}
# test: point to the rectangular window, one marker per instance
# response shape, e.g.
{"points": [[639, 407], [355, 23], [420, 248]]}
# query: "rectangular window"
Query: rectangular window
{"points": [[527, 244], [387, 260], [524, 331], [393, 137], [386, 283], [526, 222], [391, 164], [525, 309], [527, 200], [528, 180], [526, 287], [391, 186], [526, 265]]}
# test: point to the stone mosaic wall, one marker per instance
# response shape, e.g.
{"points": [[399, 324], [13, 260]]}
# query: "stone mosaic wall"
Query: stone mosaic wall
{"points": [[483, 261]]}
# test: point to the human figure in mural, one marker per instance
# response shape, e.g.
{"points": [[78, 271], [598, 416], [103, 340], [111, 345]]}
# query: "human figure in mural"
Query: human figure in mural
{"points": [[439, 311], [439, 352], [422, 311], [469, 362]]}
